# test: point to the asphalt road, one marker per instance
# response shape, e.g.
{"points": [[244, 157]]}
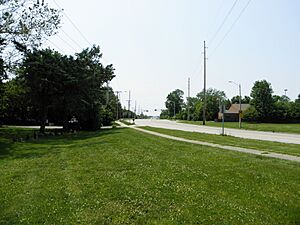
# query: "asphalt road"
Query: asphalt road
{"points": [[258, 135]]}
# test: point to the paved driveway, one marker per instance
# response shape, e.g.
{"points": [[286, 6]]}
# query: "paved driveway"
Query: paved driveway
{"points": [[258, 135]]}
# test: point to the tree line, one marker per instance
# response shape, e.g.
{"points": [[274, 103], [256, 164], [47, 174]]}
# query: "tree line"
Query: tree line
{"points": [[42, 85], [49, 86], [264, 106]]}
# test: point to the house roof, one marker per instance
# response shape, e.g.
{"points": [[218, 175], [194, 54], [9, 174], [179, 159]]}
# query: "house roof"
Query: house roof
{"points": [[234, 108]]}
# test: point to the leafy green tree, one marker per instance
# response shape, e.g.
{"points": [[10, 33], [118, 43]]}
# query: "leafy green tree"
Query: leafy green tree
{"points": [[43, 74], [164, 114], [295, 110], [61, 87], [14, 105], [195, 105], [111, 103], [262, 99], [251, 114], [90, 75], [213, 100], [24, 24], [174, 102]]}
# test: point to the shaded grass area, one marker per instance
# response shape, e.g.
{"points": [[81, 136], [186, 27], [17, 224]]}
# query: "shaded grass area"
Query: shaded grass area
{"points": [[9, 135], [273, 127], [267, 146], [122, 176]]}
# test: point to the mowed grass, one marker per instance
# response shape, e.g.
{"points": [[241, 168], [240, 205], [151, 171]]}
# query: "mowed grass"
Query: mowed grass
{"points": [[272, 127], [122, 176], [266, 146]]}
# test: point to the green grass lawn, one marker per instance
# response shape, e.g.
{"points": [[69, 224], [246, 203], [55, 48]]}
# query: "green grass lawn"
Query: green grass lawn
{"points": [[122, 176], [273, 127], [267, 146]]}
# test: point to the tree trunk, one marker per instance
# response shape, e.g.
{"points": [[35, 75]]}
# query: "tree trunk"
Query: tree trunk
{"points": [[43, 122]]}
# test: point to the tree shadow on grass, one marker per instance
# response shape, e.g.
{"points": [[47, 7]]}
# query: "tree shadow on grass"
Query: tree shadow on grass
{"points": [[49, 144], [5, 147]]}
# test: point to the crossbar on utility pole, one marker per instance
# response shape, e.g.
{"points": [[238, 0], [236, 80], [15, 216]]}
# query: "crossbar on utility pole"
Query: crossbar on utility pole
{"points": [[204, 89]]}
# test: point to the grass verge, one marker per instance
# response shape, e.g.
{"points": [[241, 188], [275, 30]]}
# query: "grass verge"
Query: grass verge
{"points": [[122, 176], [267, 146], [272, 127]]}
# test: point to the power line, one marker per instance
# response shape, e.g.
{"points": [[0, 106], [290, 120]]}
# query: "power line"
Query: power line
{"points": [[78, 30], [56, 46], [223, 22], [73, 24], [76, 43], [67, 43], [231, 27], [215, 18]]}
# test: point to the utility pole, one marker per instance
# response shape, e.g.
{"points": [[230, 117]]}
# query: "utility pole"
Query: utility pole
{"points": [[117, 105], [240, 102], [135, 110], [188, 102], [129, 103], [204, 89]]}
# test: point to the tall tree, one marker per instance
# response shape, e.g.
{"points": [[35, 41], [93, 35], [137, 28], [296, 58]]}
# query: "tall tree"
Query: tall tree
{"points": [[174, 102], [43, 74], [262, 99], [62, 87], [25, 24], [195, 105], [213, 99]]}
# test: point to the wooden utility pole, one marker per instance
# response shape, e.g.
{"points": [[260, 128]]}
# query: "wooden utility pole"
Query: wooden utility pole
{"points": [[188, 102], [129, 104], [117, 104], [204, 89]]}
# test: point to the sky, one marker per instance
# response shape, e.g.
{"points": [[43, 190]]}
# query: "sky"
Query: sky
{"points": [[156, 45]]}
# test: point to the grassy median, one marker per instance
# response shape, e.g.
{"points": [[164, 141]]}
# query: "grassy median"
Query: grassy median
{"points": [[266, 146], [122, 176], [272, 127]]}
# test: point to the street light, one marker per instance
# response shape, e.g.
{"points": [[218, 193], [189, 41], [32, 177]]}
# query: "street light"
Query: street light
{"points": [[240, 102]]}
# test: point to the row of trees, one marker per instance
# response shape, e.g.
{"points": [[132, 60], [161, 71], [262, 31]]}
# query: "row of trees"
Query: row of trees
{"points": [[53, 87], [264, 106], [42, 85]]}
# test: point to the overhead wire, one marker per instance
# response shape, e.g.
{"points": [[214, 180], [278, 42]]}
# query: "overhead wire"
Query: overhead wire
{"points": [[56, 46], [231, 27], [77, 29], [73, 24], [75, 42], [67, 43], [214, 22], [223, 22]]}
